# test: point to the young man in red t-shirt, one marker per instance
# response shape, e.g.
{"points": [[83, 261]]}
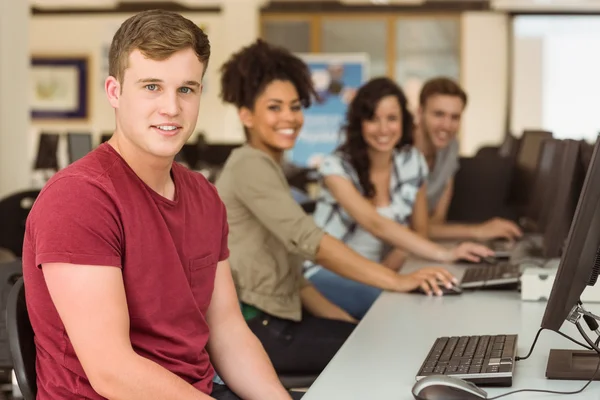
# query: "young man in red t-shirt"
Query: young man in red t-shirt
{"points": [[127, 281]]}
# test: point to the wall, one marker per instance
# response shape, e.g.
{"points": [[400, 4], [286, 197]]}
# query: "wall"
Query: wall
{"points": [[555, 73], [484, 76], [14, 112], [90, 35]]}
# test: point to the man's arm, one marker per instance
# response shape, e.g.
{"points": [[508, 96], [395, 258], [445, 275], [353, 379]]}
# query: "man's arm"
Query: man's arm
{"points": [[439, 228], [319, 306], [236, 353], [493, 228], [92, 305], [420, 215]]}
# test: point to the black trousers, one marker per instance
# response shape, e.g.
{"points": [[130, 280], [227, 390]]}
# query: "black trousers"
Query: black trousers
{"points": [[222, 392], [304, 347]]}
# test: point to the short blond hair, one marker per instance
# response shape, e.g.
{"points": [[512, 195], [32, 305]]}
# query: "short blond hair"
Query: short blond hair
{"points": [[157, 34]]}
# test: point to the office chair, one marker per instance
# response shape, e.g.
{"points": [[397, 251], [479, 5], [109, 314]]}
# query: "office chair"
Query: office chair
{"points": [[481, 186], [14, 210], [6, 255], [10, 272], [20, 337]]}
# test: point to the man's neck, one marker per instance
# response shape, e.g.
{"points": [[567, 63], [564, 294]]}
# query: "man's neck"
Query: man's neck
{"points": [[154, 172], [424, 144]]}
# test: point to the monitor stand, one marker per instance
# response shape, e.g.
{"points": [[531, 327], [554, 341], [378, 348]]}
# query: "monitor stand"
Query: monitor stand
{"points": [[572, 364]]}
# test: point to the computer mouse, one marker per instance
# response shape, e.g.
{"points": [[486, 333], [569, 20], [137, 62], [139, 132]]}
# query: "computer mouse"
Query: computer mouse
{"points": [[445, 291], [446, 387]]}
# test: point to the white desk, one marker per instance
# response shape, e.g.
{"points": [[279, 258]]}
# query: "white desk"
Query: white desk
{"points": [[381, 358]]}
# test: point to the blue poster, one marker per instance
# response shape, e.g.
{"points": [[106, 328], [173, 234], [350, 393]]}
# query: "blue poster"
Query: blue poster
{"points": [[336, 77]]}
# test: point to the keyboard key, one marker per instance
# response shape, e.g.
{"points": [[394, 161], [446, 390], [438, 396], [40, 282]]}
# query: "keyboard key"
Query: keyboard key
{"points": [[475, 369], [505, 368]]}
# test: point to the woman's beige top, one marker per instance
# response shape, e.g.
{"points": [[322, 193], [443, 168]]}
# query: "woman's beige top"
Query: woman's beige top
{"points": [[270, 235]]}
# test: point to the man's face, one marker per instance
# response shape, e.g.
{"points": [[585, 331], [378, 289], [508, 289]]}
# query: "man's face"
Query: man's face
{"points": [[157, 103], [440, 119]]}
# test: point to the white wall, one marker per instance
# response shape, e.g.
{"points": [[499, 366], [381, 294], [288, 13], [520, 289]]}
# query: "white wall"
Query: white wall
{"points": [[90, 35], [527, 85], [556, 80], [484, 76], [57, 35], [14, 113]]}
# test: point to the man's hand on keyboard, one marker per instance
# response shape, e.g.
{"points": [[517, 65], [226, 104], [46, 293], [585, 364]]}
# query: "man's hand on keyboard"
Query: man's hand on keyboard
{"points": [[498, 228], [429, 280]]}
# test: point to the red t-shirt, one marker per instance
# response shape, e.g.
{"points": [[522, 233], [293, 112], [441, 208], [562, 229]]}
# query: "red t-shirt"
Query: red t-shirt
{"points": [[98, 212]]}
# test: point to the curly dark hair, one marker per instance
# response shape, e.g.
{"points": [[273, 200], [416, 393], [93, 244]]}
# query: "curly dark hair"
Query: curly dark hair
{"points": [[249, 71], [362, 108]]}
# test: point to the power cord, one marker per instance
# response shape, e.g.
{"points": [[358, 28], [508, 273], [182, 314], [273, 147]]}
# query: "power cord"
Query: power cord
{"points": [[560, 333], [591, 346]]}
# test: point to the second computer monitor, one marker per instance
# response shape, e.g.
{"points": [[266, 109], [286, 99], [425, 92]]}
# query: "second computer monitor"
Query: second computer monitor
{"points": [[569, 176], [579, 264], [47, 155], [78, 144]]}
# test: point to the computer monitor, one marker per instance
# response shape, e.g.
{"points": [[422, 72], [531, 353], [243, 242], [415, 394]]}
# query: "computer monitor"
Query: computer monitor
{"points": [[579, 265], [549, 158], [570, 175], [78, 144], [509, 146], [525, 167], [47, 157]]}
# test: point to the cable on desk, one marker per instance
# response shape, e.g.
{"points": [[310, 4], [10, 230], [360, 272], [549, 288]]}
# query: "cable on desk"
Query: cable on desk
{"points": [[560, 333], [587, 339]]}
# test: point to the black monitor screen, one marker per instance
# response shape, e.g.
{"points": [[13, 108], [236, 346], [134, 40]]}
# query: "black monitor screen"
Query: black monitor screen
{"points": [[563, 198], [526, 166], [577, 268], [47, 157], [79, 145]]}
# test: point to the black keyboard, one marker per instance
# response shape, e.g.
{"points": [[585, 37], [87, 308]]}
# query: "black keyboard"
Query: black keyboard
{"points": [[499, 274], [483, 360]]}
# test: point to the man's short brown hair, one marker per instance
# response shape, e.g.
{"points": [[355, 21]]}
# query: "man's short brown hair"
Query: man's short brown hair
{"points": [[157, 34], [441, 86]]}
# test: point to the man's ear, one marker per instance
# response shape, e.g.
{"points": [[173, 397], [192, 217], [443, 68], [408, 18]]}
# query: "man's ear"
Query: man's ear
{"points": [[113, 90], [247, 117]]}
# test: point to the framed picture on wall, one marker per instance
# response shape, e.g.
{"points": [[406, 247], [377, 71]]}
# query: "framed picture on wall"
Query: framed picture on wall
{"points": [[59, 87]]}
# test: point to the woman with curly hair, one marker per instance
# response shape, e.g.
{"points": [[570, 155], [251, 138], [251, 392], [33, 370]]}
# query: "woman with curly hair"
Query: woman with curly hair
{"points": [[269, 233], [373, 192]]}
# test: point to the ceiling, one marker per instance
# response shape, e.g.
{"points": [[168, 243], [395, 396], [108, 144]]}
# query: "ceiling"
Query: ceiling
{"points": [[507, 5]]}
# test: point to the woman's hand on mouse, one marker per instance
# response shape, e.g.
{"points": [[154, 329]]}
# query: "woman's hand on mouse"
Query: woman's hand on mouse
{"points": [[469, 251], [429, 280]]}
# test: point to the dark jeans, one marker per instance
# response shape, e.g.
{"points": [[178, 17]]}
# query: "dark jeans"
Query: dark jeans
{"points": [[304, 347], [222, 392]]}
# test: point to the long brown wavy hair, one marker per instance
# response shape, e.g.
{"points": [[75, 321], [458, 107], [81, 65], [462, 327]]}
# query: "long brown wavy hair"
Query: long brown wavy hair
{"points": [[362, 108]]}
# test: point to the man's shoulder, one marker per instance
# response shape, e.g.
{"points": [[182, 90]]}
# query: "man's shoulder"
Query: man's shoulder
{"points": [[91, 173]]}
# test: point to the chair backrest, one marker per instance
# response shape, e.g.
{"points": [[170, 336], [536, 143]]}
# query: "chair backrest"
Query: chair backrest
{"points": [[14, 210], [20, 337]]}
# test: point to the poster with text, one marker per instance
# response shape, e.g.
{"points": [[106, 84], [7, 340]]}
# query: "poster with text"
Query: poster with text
{"points": [[336, 77]]}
